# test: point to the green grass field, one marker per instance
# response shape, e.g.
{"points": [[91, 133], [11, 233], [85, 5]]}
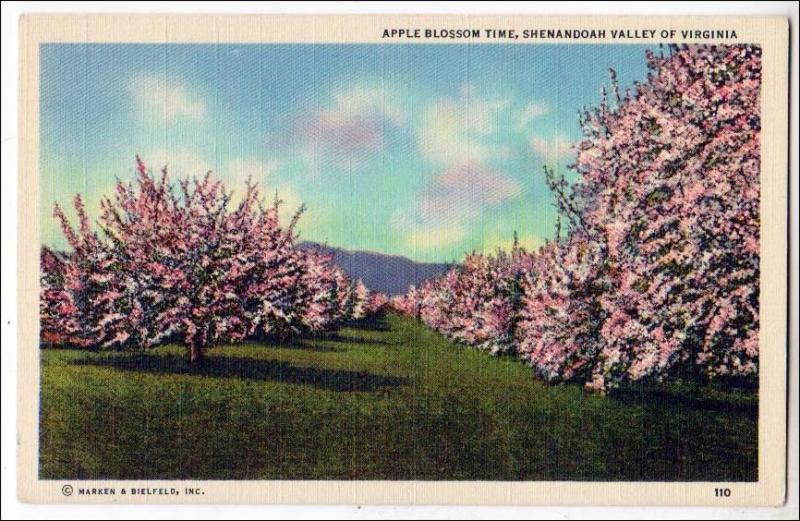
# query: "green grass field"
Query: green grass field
{"points": [[383, 399]]}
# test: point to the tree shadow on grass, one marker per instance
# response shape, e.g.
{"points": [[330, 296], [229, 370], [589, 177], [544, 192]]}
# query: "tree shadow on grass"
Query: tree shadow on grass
{"points": [[250, 369], [321, 342], [747, 404], [304, 344], [350, 339], [375, 322]]}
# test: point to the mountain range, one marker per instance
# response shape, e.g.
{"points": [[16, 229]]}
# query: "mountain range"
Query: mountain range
{"points": [[389, 274]]}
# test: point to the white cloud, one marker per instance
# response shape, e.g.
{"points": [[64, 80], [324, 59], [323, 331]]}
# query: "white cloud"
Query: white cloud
{"points": [[186, 162], [533, 110], [155, 96], [481, 115], [180, 163], [240, 169], [367, 99], [464, 190], [552, 149], [457, 130], [351, 126], [460, 135]]}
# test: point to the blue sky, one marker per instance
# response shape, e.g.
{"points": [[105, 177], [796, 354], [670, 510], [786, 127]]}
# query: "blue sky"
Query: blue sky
{"points": [[428, 151]]}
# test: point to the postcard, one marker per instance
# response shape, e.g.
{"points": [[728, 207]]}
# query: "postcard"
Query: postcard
{"points": [[517, 260]]}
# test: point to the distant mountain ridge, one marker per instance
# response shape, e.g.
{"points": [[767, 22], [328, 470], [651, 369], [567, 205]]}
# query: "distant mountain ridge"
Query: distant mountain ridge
{"points": [[389, 274]]}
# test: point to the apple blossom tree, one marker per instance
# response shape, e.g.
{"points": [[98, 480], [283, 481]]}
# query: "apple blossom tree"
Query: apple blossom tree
{"points": [[657, 276], [184, 262]]}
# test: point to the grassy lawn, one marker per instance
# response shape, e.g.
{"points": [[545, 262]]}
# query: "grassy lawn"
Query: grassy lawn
{"points": [[383, 399]]}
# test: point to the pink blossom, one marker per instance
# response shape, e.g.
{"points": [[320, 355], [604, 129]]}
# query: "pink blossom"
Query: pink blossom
{"points": [[180, 261]]}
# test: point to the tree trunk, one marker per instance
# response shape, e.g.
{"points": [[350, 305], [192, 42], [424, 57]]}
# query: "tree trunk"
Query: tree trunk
{"points": [[195, 354]]}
